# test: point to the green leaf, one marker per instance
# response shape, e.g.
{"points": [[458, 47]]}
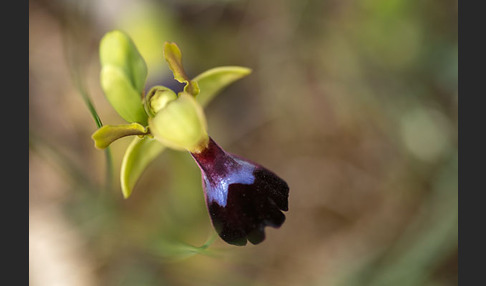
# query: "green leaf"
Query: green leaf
{"points": [[173, 56], [123, 76], [106, 134], [137, 157], [212, 81], [174, 250]]}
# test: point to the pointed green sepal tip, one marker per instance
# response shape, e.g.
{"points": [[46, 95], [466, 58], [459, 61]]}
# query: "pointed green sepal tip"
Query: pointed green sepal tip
{"points": [[123, 76], [107, 134], [213, 81], [173, 56], [181, 125], [137, 157]]}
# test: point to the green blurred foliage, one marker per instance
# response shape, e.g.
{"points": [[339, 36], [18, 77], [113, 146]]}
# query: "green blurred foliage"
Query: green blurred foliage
{"points": [[353, 103]]}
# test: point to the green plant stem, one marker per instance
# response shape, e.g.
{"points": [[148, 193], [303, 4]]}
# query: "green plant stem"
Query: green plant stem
{"points": [[74, 69], [108, 156]]}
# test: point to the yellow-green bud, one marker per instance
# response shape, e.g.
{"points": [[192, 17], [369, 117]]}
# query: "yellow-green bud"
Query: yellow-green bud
{"points": [[181, 124], [157, 98]]}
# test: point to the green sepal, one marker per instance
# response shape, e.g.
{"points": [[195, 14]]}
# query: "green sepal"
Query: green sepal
{"points": [[123, 76], [173, 56], [117, 49], [122, 96], [212, 81], [137, 157], [107, 134]]}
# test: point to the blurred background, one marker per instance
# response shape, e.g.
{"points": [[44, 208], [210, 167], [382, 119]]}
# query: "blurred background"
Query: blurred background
{"points": [[353, 103]]}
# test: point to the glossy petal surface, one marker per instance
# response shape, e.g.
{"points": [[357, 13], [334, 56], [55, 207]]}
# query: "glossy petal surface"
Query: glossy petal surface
{"points": [[242, 197]]}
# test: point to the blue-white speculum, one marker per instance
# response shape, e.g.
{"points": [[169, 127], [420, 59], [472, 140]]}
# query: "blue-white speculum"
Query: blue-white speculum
{"points": [[242, 197]]}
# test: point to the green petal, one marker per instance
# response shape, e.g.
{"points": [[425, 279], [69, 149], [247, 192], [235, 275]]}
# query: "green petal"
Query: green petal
{"points": [[212, 81], [137, 157], [173, 56], [105, 135]]}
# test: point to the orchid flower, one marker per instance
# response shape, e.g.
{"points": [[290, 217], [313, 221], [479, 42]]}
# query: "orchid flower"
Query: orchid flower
{"points": [[242, 197]]}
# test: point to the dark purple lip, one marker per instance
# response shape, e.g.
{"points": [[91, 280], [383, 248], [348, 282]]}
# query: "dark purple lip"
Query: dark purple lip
{"points": [[242, 197]]}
